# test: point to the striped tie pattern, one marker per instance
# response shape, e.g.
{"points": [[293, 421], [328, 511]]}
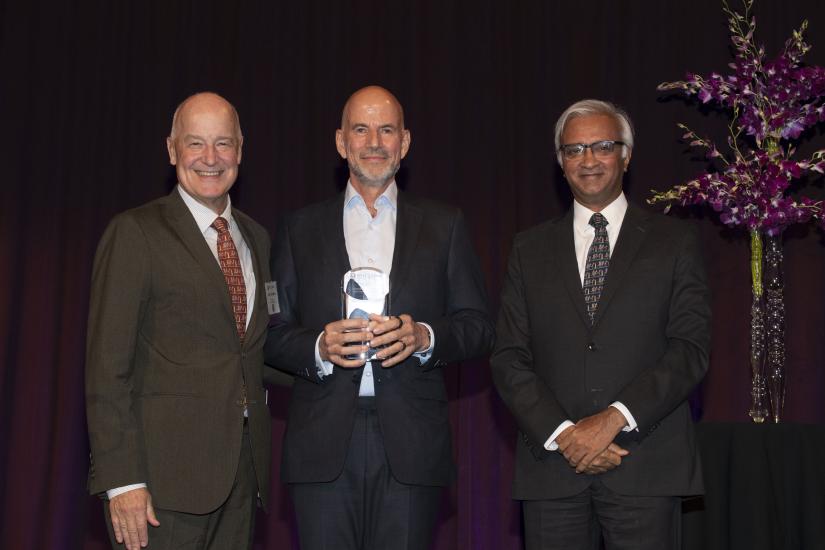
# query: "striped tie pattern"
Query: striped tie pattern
{"points": [[595, 269], [232, 272]]}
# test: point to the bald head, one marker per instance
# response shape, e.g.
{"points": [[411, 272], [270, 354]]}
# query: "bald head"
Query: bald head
{"points": [[204, 102], [372, 95], [372, 138], [205, 148]]}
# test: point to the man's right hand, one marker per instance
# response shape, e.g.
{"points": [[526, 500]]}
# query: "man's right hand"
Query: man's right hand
{"points": [[130, 513], [342, 338], [609, 458]]}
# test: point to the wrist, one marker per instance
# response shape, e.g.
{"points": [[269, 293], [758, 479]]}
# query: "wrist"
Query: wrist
{"points": [[618, 421], [422, 337], [322, 346]]}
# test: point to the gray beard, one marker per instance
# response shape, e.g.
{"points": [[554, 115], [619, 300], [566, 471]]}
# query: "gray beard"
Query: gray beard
{"points": [[373, 181]]}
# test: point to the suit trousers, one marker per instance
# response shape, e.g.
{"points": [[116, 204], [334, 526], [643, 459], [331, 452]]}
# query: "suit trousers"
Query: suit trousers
{"points": [[365, 508], [230, 526], [596, 515]]}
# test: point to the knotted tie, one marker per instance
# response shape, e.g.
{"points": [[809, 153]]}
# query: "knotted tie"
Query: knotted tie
{"points": [[232, 272], [595, 269]]}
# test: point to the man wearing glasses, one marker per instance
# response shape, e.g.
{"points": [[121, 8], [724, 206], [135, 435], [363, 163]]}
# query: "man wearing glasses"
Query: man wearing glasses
{"points": [[604, 330]]}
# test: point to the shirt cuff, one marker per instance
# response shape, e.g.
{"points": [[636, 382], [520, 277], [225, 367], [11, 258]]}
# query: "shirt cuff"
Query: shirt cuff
{"points": [[424, 355], [324, 367], [551, 444], [112, 493], [631, 422]]}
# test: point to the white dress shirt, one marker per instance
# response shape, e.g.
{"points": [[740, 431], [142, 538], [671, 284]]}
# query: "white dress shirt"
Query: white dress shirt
{"points": [[204, 217], [370, 242], [583, 235]]}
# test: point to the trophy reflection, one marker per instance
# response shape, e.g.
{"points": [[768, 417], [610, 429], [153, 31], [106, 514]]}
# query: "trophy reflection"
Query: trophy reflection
{"points": [[364, 291]]}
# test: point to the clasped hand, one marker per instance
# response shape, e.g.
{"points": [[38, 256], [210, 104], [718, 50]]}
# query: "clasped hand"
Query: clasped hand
{"points": [[588, 445], [400, 336]]}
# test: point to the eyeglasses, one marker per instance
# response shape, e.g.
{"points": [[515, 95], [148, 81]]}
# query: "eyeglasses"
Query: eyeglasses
{"points": [[600, 149]]}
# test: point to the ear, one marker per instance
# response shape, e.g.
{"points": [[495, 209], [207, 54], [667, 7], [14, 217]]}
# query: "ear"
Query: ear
{"points": [[626, 160], [339, 143], [170, 148], [240, 149], [406, 138]]}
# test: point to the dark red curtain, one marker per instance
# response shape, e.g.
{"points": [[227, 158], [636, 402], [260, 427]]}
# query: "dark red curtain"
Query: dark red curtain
{"points": [[86, 95]]}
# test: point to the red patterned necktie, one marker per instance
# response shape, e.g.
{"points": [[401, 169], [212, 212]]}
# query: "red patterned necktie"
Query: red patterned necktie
{"points": [[595, 270], [232, 272]]}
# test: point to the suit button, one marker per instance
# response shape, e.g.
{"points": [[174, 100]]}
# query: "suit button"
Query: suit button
{"points": [[591, 346]]}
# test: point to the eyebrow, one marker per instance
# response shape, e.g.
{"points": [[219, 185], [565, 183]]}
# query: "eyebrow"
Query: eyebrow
{"points": [[188, 137], [388, 125]]}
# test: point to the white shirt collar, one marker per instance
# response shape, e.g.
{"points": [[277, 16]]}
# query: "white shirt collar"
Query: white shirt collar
{"points": [[203, 215], [613, 212], [389, 196]]}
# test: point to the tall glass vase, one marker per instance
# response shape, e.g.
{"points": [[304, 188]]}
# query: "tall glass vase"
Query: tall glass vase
{"points": [[759, 409], [774, 324]]}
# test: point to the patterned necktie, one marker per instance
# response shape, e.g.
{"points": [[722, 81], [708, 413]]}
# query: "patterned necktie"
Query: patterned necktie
{"points": [[595, 270], [231, 267]]}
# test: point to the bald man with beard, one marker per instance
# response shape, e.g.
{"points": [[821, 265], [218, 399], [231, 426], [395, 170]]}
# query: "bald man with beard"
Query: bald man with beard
{"points": [[367, 449], [178, 424]]}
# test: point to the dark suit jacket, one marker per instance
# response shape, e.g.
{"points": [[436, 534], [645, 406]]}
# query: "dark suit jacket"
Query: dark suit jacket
{"points": [[165, 367], [435, 277], [648, 349]]}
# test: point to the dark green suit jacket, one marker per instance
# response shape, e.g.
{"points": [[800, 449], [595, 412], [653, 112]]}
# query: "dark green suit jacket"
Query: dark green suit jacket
{"points": [[165, 368]]}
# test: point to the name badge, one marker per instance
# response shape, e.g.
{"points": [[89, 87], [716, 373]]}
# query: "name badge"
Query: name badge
{"points": [[272, 305]]}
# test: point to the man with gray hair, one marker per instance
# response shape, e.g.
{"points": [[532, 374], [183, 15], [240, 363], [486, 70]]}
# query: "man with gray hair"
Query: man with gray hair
{"points": [[604, 331], [179, 428]]}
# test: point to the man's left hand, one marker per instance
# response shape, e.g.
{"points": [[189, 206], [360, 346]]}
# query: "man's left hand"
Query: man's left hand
{"points": [[401, 335], [591, 435]]}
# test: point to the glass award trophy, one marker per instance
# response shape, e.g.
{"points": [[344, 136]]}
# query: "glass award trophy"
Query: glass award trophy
{"points": [[365, 290]]}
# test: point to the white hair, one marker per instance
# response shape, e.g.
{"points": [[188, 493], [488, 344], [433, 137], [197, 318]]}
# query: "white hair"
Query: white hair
{"points": [[589, 107]]}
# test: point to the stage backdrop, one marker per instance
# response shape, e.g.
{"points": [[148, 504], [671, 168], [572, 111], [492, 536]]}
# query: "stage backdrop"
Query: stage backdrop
{"points": [[87, 90]]}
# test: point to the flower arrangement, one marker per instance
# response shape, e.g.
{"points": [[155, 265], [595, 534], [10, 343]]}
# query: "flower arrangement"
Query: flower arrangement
{"points": [[772, 102]]}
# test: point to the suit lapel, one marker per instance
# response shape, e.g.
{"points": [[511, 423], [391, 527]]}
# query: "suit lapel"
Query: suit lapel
{"points": [[187, 230], [407, 226], [333, 247], [566, 247], [631, 236]]}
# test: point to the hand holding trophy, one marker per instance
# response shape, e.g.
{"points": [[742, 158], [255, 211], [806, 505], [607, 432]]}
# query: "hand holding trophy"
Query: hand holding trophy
{"points": [[365, 295]]}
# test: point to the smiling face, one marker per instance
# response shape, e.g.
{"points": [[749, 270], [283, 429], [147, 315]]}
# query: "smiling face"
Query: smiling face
{"points": [[594, 181], [205, 149], [372, 137]]}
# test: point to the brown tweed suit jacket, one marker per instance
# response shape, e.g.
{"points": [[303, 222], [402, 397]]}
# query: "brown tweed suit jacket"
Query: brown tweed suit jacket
{"points": [[165, 368]]}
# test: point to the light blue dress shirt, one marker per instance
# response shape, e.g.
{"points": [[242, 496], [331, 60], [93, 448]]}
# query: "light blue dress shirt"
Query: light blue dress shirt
{"points": [[370, 242]]}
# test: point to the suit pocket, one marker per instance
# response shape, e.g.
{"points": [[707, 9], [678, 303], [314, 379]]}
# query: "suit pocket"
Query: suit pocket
{"points": [[304, 390], [429, 387]]}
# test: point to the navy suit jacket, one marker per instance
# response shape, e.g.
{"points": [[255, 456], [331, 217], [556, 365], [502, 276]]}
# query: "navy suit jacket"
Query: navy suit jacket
{"points": [[435, 278]]}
